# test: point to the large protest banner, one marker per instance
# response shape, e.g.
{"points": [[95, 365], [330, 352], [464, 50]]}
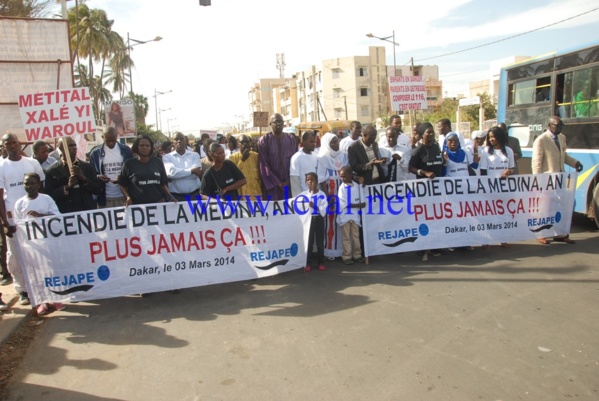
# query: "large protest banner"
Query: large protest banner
{"points": [[147, 248], [452, 212]]}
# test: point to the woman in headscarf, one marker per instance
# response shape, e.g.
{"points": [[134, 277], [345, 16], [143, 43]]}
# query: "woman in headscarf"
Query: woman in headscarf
{"points": [[330, 161], [457, 161]]}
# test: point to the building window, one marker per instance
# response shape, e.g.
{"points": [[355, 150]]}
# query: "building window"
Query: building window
{"points": [[335, 72], [336, 93], [362, 72], [339, 114], [363, 92], [364, 111]]}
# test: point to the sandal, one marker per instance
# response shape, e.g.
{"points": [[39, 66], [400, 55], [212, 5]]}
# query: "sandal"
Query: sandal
{"points": [[565, 240], [543, 241]]}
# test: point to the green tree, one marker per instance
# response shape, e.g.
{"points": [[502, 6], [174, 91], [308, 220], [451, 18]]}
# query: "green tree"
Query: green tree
{"points": [[157, 136], [470, 113], [141, 107], [25, 8], [98, 92], [448, 109], [94, 42]]}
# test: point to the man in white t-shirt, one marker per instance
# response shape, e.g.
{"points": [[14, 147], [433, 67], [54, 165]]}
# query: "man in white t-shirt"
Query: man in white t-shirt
{"points": [[355, 133], [302, 163], [12, 173], [108, 160]]}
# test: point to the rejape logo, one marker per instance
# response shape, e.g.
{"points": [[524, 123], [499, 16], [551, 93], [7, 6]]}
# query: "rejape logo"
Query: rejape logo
{"points": [[280, 257], [403, 235], [544, 223], [77, 282]]}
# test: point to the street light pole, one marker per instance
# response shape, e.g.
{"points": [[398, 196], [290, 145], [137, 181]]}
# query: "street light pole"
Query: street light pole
{"points": [[160, 116], [386, 39], [129, 46], [156, 93]]}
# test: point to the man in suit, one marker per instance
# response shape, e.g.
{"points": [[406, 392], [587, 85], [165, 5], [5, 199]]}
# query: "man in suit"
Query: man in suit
{"points": [[549, 156], [365, 159]]}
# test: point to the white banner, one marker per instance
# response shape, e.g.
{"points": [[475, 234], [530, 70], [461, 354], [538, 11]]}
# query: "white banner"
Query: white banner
{"points": [[147, 248], [452, 212], [49, 115], [407, 93]]}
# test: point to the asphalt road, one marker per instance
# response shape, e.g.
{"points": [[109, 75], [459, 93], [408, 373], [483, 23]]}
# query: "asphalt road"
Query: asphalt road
{"points": [[503, 324]]}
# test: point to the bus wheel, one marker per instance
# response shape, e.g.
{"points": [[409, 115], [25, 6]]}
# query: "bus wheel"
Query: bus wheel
{"points": [[596, 204]]}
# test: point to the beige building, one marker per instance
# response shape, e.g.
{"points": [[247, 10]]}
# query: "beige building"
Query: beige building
{"points": [[264, 95], [345, 88]]}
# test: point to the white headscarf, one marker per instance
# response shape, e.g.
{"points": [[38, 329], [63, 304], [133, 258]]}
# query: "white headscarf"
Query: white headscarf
{"points": [[329, 160]]}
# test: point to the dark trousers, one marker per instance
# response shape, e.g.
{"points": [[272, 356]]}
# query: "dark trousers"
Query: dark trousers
{"points": [[316, 235]]}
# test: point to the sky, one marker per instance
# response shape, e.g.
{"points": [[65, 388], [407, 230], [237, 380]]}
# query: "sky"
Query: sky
{"points": [[210, 57]]}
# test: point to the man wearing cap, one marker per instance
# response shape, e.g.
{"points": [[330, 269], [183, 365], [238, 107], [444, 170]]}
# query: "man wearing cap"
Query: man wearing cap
{"points": [[549, 156], [475, 147]]}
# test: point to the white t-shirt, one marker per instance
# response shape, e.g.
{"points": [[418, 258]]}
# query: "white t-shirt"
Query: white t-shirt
{"points": [[11, 179], [455, 169], [302, 163], [43, 204], [113, 163], [320, 205], [496, 163], [345, 142]]}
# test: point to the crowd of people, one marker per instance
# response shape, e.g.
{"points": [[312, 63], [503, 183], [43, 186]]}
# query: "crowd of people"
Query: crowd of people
{"points": [[278, 166]]}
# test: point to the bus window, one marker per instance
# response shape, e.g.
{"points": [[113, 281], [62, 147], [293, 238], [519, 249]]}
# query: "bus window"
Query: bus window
{"points": [[581, 93], [532, 91]]}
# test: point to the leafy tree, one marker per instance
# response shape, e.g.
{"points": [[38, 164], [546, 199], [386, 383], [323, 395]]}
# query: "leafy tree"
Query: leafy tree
{"points": [[25, 8], [141, 107], [470, 113], [94, 41], [448, 109], [157, 136]]}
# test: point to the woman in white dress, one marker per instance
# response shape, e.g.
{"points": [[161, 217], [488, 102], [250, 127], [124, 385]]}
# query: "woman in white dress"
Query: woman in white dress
{"points": [[330, 161]]}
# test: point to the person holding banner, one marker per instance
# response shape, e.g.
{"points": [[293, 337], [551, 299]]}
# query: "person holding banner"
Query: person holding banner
{"points": [[35, 205], [318, 208], [426, 160], [12, 171], [348, 217], [72, 183], [457, 161], [143, 179], [498, 159], [330, 161]]}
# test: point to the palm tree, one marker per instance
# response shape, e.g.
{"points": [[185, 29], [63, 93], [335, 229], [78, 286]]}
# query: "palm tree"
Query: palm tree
{"points": [[97, 91], [93, 38], [141, 107]]}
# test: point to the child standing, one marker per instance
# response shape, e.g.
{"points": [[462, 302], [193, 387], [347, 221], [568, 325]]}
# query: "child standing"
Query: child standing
{"points": [[35, 205], [318, 208], [350, 203]]}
